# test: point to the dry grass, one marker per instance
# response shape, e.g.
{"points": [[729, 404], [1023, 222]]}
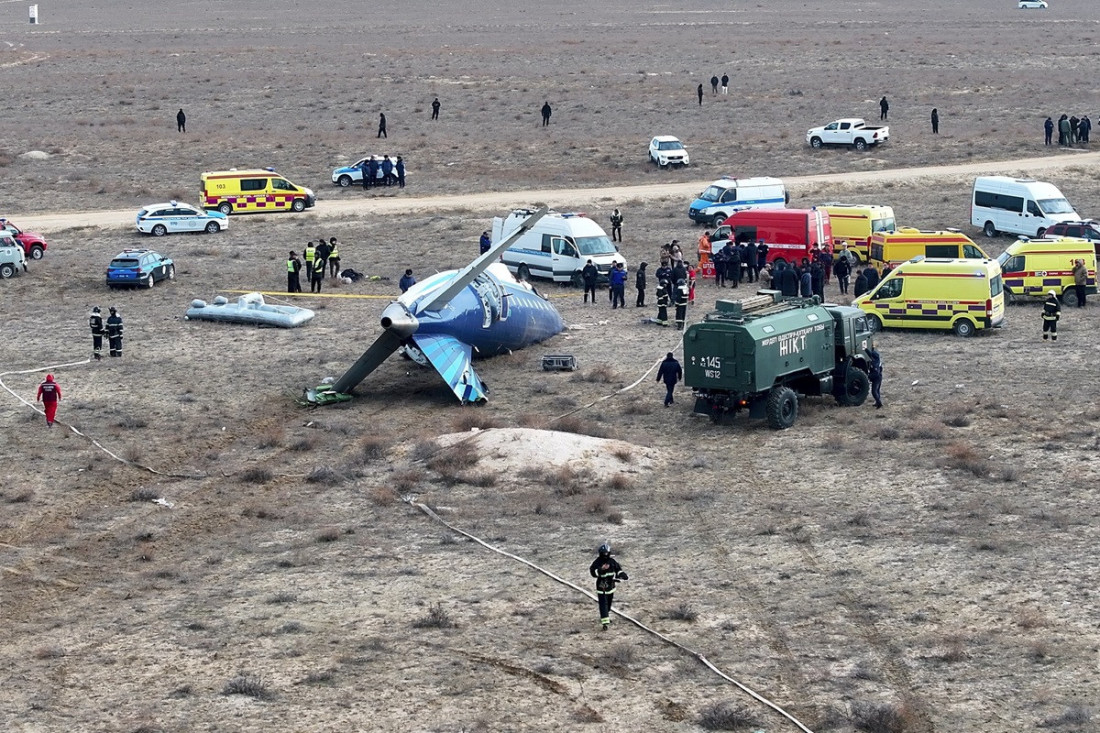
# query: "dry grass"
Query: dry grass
{"points": [[726, 716], [964, 457]]}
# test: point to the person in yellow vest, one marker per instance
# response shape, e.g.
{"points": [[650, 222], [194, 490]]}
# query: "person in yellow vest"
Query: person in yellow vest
{"points": [[309, 255], [334, 257], [293, 267]]}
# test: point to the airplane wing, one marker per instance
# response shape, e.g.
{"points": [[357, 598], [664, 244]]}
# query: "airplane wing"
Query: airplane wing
{"points": [[451, 358]]}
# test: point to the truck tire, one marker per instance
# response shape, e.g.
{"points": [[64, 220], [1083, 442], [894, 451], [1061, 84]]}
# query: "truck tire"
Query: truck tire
{"points": [[523, 272], [964, 327], [1069, 297], [875, 323], [37, 252], [856, 387], [860, 144], [7, 270], [717, 219], [782, 408], [989, 230], [225, 207], [815, 143]]}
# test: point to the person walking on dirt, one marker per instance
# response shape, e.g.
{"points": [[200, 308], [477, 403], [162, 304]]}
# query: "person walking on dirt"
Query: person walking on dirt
{"points": [[382, 124], [616, 226], [874, 373], [670, 372], [1080, 281], [114, 333], [884, 108], [1052, 311], [1048, 131], [95, 323], [725, 83], [334, 257], [293, 268], [639, 284], [435, 108], [935, 121], [714, 85], [607, 572], [181, 121], [699, 91], [591, 275], [49, 394], [546, 112]]}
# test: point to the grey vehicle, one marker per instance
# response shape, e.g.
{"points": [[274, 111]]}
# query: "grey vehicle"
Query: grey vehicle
{"points": [[13, 260]]}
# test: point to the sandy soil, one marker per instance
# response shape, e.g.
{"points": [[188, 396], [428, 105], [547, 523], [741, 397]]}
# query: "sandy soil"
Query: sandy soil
{"points": [[927, 567]]}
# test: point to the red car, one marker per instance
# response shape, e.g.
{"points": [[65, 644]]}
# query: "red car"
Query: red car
{"points": [[34, 246]]}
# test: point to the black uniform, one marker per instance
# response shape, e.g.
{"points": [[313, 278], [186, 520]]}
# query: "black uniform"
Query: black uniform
{"points": [[662, 302], [381, 125], [788, 281], [114, 333], [682, 292], [591, 275], [616, 226], [639, 283], [761, 256], [607, 571], [435, 108], [546, 112], [320, 257], [733, 265], [181, 121], [1052, 310], [750, 262], [874, 373], [293, 279], [95, 322], [842, 270], [670, 373]]}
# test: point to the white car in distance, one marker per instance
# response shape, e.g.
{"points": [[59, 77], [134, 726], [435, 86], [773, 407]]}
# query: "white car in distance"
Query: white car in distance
{"points": [[666, 150], [174, 217], [1040, 4]]}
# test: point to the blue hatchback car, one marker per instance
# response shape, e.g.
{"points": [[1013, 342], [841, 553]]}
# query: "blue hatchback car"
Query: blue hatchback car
{"points": [[139, 267]]}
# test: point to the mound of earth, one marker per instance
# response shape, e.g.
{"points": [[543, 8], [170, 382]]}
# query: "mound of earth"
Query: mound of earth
{"points": [[511, 450]]}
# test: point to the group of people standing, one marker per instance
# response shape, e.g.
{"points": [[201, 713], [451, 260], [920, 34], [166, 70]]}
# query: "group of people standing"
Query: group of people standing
{"points": [[319, 260], [1071, 130], [392, 172]]}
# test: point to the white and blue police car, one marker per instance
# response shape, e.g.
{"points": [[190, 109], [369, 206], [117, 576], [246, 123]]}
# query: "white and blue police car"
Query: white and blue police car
{"points": [[174, 217]]}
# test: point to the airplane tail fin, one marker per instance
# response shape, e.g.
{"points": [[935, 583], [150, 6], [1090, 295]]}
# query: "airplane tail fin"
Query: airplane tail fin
{"points": [[451, 358]]}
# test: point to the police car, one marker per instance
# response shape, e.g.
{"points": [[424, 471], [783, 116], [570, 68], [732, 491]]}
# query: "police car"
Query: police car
{"points": [[141, 267], [172, 217]]}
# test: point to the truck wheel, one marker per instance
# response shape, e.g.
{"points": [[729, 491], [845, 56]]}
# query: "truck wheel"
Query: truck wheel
{"points": [[875, 323], [344, 181], [782, 408], [717, 219], [964, 327], [225, 207], [855, 388], [815, 143], [37, 252], [523, 272], [860, 144], [7, 270], [1069, 297], [298, 205], [989, 230]]}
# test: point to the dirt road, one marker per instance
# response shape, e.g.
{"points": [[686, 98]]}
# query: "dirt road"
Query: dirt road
{"points": [[559, 198]]}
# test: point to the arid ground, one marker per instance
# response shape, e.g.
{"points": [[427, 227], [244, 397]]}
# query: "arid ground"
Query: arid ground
{"points": [[925, 567]]}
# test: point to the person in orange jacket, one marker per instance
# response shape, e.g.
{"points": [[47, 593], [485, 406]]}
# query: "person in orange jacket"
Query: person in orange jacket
{"points": [[49, 394]]}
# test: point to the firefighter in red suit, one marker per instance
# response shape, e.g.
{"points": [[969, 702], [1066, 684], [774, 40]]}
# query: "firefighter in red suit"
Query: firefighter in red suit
{"points": [[49, 394]]}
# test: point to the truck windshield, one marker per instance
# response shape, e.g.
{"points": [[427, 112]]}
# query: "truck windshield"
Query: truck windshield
{"points": [[883, 225], [713, 193], [1055, 206], [595, 246]]}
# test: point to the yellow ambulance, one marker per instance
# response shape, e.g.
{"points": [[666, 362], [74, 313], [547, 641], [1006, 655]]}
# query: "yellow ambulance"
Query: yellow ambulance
{"points": [[893, 248], [853, 224], [962, 295], [1034, 267], [235, 191]]}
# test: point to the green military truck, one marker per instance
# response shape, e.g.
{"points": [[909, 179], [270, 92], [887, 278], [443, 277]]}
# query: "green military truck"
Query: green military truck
{"points": [[760, 353]]}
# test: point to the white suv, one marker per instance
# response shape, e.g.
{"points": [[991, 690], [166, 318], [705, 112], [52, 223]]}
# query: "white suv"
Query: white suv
{"points": [[666, 150], [1033, 4]]}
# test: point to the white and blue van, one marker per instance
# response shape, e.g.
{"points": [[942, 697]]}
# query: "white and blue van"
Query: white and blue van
{"points": [[557, 247], [729, 194]]}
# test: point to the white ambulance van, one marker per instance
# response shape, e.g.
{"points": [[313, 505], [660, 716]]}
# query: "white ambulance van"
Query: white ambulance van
{"points": [[557, 248], [1017, 206]]}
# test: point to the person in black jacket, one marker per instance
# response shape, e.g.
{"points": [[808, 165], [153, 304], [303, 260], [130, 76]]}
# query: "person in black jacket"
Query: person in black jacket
{"points": [[843, 272], [750, 262], [733, 265], [591, 275], [181, 121], [861, 284], [607, 572], [639, 283], [805, 283], [670, 373], [1048, 130], [761, 256], [320, 258], [817, 280], [874, 373], [114, 333], [935, 121], [788, 280], [663, 299], [382, 124], [95, 322], [1052, 310], [872, 277], [546, 112]]}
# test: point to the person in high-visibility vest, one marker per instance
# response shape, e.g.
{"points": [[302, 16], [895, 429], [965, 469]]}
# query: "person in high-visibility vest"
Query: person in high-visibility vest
{"points": [[662, 302], [607, 572], [1052, 310], [114, 333], [309, 255], [334, 257], [681, 303]]}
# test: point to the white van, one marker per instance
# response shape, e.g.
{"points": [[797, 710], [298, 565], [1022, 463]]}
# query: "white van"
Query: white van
{"points": [[557, 248], [1017, 206], [729, 194]]}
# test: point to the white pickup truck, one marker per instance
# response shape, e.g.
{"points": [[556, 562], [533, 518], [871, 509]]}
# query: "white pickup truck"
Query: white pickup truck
{"points": [[849, 131]]}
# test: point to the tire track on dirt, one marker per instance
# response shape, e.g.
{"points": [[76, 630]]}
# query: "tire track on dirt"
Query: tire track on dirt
{"points": [[572, 197]]}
